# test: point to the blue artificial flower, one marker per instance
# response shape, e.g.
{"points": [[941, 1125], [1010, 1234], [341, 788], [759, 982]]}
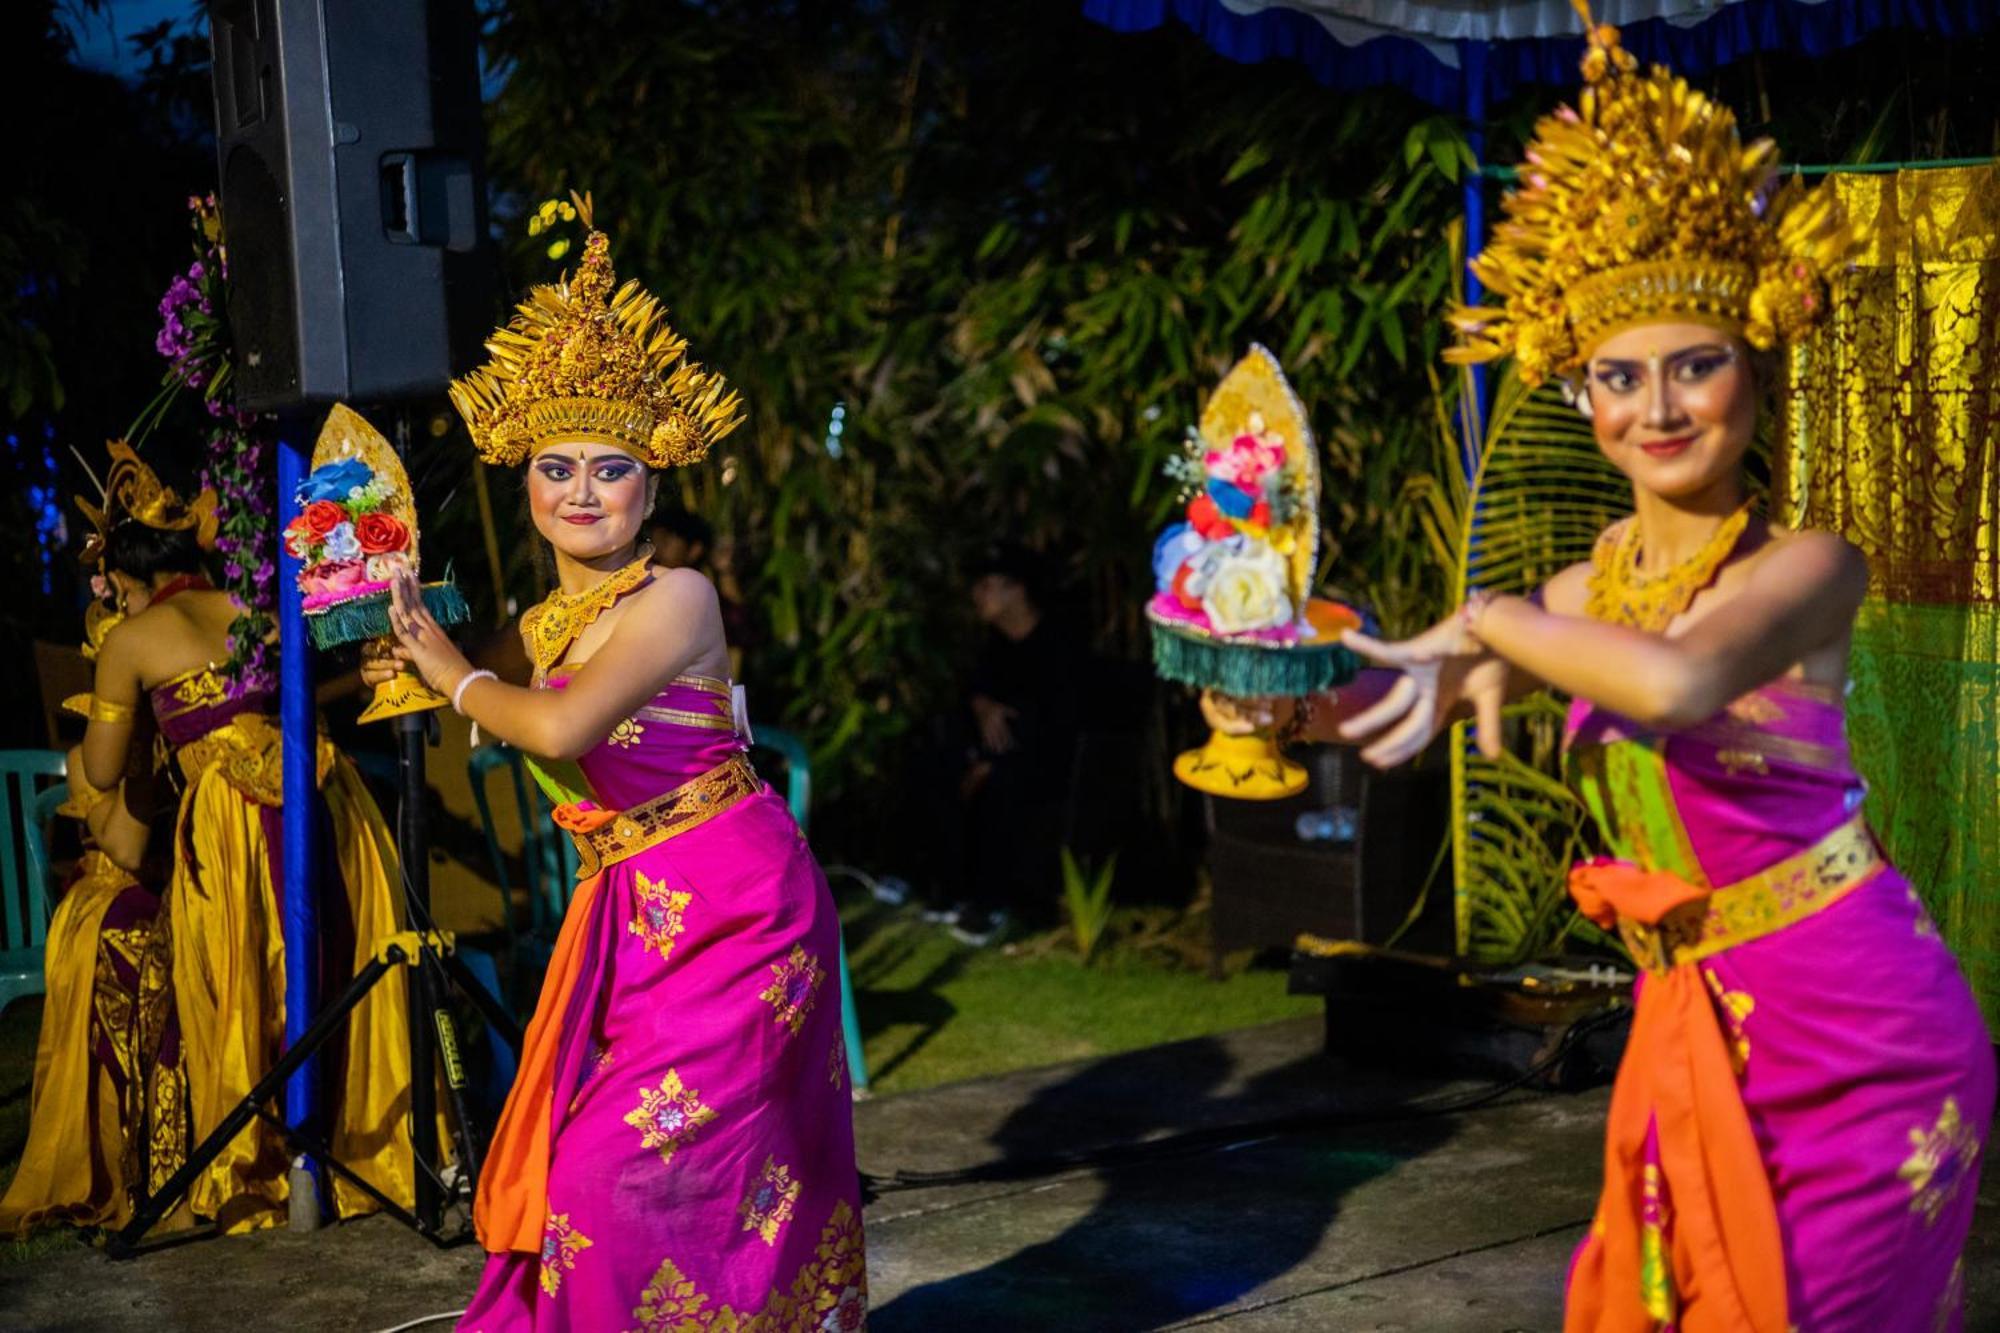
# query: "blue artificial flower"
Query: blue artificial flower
{"points": [[343, 544], [334, 481], [1231, 499], [1171, 551]]}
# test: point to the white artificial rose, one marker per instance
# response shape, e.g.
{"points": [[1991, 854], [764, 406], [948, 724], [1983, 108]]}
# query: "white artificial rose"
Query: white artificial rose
{"points": [[382, 568], [1247, 591]]}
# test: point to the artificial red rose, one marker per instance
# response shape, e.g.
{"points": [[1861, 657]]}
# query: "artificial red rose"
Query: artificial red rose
{"points": [[1208, 520], [322, 517], [1260, 513], [381, 533], [1181, 594]]}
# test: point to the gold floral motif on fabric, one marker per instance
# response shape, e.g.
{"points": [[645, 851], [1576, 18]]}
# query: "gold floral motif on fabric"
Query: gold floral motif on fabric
{"points": [[200, 688], [836, 1061], [1743, 761], [1768, 901], [552, 626], [561, 1243], [626, 734], [794, 987], [1735, 1008], [668, 1116], [626, 833], [1755, 709], [1940, 1159], [1621, 595], [829, 1294], [772, 1199], [657, 915]]}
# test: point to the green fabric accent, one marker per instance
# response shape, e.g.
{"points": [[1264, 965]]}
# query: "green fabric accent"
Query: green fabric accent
{"points": [[1625, 784], [368, 617], [1923, 720], [1251, 673], [560, 779]]}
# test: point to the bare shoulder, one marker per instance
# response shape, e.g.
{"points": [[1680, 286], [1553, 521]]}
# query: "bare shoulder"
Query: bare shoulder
{"points": [[1568, 592], [1808, 558], [676, 598]]}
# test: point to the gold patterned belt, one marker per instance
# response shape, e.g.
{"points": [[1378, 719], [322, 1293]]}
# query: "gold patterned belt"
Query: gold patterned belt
{"points": [[606, 837], [249, 751], [1766, 902]]}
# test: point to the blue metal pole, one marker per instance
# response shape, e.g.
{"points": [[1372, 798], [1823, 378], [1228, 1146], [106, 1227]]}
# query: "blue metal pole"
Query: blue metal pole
{"points": [[1474, 191], [299, 902]]}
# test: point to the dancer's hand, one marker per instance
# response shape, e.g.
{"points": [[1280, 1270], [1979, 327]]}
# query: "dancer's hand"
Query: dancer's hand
{"points": [[381, 660], [1443, 668], [422, 640], [1231, 716]]}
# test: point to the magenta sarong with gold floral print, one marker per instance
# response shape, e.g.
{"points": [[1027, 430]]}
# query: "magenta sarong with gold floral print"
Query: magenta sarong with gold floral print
{"points": [[1796, 1131], [678, 1150]]}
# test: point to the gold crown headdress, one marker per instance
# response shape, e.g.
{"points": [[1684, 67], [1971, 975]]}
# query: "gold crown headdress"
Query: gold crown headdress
{"points": [[132, 490], [579, 361], [1641, 204]]}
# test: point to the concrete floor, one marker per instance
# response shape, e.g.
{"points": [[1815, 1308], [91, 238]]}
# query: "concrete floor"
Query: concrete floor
{"points": [[1458, 1223]]}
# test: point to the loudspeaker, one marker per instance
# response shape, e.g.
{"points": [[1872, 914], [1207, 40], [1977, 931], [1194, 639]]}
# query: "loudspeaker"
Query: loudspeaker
{"points": [[353, 205]]}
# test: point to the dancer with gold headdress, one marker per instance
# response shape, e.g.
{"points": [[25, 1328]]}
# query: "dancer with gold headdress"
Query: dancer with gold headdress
{"points": [[678, 1148], [217, 948], [1796, 1130]]}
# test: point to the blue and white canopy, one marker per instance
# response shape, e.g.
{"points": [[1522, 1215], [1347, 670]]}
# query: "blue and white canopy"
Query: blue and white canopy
{"points": [[1468, 53]]}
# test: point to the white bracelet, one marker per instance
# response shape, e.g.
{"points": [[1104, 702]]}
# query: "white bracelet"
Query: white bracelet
{"points": [[458, 690]]}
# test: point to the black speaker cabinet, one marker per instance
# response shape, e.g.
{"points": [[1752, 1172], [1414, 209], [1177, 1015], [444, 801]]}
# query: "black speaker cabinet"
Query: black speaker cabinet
{"points": [[1269, 886], [348, 133]]}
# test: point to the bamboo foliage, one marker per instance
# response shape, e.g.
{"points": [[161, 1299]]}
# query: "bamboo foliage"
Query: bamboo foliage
{"points": [[1539, 494]]}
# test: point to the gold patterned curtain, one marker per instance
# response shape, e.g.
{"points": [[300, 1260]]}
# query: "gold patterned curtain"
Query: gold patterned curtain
{"points": [[1893, 440]]}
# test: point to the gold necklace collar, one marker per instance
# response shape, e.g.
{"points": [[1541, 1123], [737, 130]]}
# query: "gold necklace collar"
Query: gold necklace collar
{"points": [[556, 623], [1621, 595]]}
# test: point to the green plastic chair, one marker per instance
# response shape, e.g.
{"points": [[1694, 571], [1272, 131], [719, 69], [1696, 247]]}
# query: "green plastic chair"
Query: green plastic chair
{"points": [[798, 795], [548, 857], [24, 868]]}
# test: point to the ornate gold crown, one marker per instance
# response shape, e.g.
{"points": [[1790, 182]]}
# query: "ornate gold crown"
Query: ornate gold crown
{"points": [[1641, 204], [578, 362], [132, 490]]}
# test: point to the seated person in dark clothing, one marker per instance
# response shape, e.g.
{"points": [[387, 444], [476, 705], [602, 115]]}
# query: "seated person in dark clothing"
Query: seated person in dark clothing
{"points": [[995, 775]]}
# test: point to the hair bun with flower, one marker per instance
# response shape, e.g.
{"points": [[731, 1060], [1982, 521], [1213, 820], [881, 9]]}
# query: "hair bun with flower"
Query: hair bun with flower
{"points": [[1640, 204], [585, 359]]}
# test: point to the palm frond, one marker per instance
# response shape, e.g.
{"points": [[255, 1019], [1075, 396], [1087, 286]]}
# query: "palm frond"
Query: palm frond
{"points": [[1538, 497]]}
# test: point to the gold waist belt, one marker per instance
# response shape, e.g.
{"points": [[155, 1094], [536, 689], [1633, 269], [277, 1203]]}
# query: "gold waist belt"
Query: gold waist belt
{"points": [[249, 750], [1766, 902], [605, 837]]}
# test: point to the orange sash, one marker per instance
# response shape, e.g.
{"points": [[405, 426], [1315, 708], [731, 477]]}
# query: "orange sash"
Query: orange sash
{"points": [[1727, 1259], [513, 1200]]}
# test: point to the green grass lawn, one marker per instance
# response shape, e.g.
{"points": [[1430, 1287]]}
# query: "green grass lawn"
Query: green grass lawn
{"points": [[933, 1011]]}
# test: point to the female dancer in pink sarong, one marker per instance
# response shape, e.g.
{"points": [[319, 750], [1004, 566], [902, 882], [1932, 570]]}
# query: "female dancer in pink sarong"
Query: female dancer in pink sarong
{"points": [[677, 1151], [1795, 1135]]}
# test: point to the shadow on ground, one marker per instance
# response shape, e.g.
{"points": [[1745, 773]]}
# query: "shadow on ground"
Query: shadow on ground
{"points": [[1153, 1243]]}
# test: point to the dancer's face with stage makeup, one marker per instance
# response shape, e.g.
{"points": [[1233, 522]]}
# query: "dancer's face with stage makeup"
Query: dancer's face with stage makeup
{"points": [[589, 500], [1674, 406]]}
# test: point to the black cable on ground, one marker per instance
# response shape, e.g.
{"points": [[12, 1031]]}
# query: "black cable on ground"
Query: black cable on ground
{"points": [[1220, 1137]]}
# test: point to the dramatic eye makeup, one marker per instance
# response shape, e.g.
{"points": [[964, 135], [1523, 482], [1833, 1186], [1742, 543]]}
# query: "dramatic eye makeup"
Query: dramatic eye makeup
{"points": [[553, 469], [615, 469], [1690, 365]]}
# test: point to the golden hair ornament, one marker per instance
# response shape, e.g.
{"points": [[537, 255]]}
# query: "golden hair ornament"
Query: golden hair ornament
{"points": [[1639, 205], [584, 359], [131, 490]]}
